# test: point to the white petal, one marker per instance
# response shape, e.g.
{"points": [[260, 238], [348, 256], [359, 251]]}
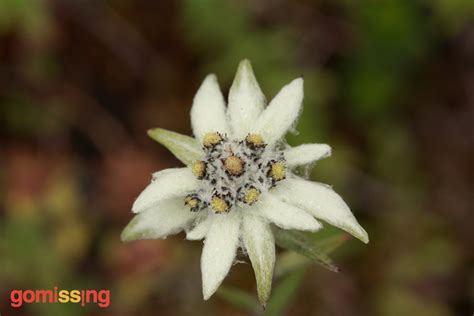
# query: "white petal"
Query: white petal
{"points": [[166, 184], [306, 153], [219, 251], [166, 218], [281, 113], [286, 215], [199, 231], [246, 100], [321, 201], [185, 148], [260, 245], [208, 110]]}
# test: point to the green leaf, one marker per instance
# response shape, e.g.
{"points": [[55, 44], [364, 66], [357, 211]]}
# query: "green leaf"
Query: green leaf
{"points": [[300, 243], [185, 148], [284, 292], [288, 261], [326, 241], [330, 243], [260, 245], [238, 298]]}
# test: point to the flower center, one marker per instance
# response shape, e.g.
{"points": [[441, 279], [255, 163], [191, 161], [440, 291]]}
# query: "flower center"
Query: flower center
{"points": [[234, 165], [234, 172]]}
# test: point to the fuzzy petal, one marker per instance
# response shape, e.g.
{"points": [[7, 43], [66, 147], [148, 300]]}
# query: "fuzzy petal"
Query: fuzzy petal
{"points": [[260, 245], [246, 100], [322, 202], [199, 231], [185, 148], [306, 153], [286, 215], [219, 251], [208, 110], [166, 184], [166, 218], [281, 113]]}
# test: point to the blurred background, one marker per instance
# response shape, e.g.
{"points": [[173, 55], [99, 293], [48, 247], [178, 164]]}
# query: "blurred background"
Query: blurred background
{"points": [[389, 84]]}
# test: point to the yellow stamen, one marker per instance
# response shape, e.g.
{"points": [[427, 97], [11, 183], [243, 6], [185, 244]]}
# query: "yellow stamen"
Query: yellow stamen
{"points": [[191, 202], [278, 171], [198, 168], [234, 165], [211, 139], [219, 205], [255, 140], [251, 195]]}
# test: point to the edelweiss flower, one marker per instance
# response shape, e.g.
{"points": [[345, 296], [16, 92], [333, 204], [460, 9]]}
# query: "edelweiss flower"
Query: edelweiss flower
{"points": [[238, 181]]}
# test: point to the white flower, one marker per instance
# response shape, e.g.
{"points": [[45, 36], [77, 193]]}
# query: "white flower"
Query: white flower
{"points": [[238, 181]]}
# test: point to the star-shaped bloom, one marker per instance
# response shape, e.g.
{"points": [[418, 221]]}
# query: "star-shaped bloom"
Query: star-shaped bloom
{"points": [[238, 180]]}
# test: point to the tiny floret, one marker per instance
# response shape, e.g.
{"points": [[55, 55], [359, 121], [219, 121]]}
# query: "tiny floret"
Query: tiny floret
{"points": [[251, 195], [219, 205], [254, 140], [278, 170], [192, 202], [211, 139], [234, 165], [199, 169]]}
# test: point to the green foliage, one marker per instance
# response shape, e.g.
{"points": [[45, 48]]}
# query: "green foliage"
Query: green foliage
{"points": [[452, 15], [238, 298], [301, 243], [392, 36], [284, 293], [30, 17]]}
